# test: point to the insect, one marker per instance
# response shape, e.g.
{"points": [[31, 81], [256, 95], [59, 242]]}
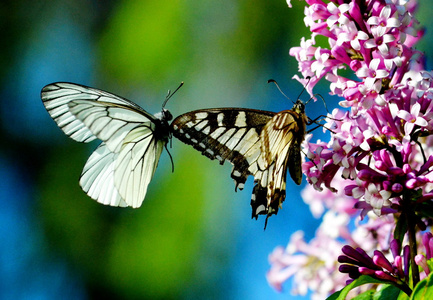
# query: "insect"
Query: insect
{"points": [[259, 143], [118, 172]]}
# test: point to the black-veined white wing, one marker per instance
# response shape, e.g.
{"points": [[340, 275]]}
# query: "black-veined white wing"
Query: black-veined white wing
{"points": [[259, 143], [120, 169], [97, 178]]}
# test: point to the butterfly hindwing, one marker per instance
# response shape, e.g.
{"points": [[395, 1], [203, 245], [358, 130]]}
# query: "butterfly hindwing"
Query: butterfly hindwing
{"points": [[281, 139], [136, 164], [120, 169], [97, 178]]}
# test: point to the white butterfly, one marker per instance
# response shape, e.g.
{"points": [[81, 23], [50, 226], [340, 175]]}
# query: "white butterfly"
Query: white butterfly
{"points": [[119, 171]]}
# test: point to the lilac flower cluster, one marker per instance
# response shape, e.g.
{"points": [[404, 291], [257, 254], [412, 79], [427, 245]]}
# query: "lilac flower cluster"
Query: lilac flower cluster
{"points": [[391, 101], [356, 262], [379, 159], [313, 265]]}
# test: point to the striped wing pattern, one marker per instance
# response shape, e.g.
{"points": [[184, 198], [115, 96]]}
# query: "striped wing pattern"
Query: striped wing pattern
{"points": [[120, 169], [258, 143]]}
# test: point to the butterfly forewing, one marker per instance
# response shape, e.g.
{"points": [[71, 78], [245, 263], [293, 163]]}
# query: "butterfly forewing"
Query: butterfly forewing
{"points": [[57, 96], [120, 169], [224, 134]]}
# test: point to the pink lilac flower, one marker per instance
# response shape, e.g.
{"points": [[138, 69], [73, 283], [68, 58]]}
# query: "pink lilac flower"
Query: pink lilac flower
{"points": [[312, 265], [356, 262], [319, 202], [412, 118], [421, 259]]}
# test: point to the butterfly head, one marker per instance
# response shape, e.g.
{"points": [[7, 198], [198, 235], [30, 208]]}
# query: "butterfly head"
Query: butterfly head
{"points": [[164, 115], [299, 107]]}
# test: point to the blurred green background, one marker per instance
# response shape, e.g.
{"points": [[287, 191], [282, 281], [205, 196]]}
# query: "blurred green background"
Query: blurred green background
{"points": [[193, 237]]}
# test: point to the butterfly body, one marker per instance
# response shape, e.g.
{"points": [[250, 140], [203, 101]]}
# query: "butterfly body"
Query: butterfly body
{"points": [[119, 171], [259, 143]]}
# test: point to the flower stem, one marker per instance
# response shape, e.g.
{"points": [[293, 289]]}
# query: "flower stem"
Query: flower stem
{"points": [[405, 288], [411, 231]]}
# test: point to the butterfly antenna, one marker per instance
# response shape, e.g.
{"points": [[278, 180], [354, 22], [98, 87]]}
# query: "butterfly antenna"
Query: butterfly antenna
{"points": [[323, 100], [314, 96], [305, 87], [170, 94], [278, 87]]}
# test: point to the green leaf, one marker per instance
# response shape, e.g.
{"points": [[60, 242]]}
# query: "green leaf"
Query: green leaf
{"points": [[390, 292], [364, 279], [368, 295], [403, 296], [424, 289]]}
